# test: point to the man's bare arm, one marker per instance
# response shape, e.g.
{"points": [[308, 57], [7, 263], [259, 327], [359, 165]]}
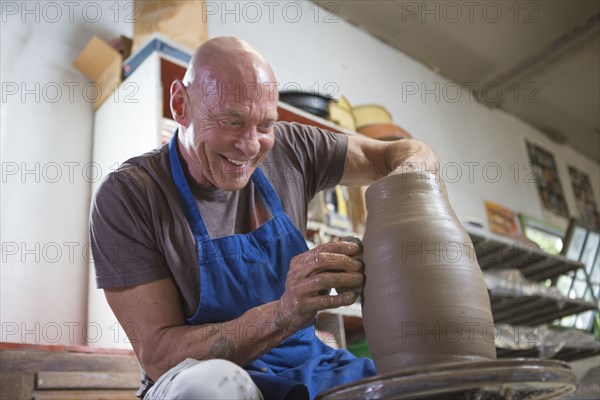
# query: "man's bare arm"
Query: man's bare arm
{"points": [[153, 314], [161, 338]]}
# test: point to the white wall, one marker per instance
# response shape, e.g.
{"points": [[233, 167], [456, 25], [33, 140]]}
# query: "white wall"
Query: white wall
{"points": [[368, 71], [42, 299], [47, 129]]}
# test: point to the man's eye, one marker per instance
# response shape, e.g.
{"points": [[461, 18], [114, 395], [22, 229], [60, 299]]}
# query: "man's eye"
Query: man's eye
{"points": [[267, 126], [232, 124]]}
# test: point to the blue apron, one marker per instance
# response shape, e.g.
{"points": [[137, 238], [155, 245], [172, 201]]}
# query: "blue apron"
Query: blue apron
{"points": [[243, 271]]}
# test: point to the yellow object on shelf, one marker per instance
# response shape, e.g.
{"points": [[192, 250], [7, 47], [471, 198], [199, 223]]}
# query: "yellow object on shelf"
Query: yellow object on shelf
{"points": [[341, 116], [341, 201], [344, 103], [371, 114], [357, 210]]}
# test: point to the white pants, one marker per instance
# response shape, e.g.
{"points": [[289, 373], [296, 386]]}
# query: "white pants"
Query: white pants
{"points": [[198, 380]]}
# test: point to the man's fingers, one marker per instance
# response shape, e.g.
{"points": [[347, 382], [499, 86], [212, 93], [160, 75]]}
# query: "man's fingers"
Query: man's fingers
{"points": [[354, 239], [325, 302], [329, 280], [347, 246], [347, 289], [306, 266], [331, 265]]}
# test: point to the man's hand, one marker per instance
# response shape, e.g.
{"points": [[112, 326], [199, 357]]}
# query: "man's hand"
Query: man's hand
{"points": [[368, 159], [411, 155], [311, 276]]}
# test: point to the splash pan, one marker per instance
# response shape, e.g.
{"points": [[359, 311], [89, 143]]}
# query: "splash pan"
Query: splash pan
{"points": [[512, 379]]}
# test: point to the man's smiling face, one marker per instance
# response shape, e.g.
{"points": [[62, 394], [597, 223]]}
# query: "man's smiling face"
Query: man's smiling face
{"points": [[232, 133], [226, 107]]}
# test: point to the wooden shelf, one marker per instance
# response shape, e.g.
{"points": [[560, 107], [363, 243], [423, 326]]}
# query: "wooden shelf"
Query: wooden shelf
{"points": [[567, 353], [290, 113], [497, 252], [534, 310]]}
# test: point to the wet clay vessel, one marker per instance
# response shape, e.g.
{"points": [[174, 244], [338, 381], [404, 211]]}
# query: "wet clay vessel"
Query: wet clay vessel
{"points": [[425, 301]]}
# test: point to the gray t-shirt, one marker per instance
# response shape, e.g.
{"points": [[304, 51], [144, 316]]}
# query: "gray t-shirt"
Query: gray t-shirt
{"points": [[138, 228]]}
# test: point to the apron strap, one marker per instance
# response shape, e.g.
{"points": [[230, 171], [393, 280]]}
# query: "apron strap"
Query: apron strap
{"points": [[268, 193], [191, 208]]}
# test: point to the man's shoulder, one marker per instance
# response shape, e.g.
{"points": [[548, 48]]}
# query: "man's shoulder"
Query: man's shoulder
{"points": [[292, 135], [139, 173], [284, 128]]}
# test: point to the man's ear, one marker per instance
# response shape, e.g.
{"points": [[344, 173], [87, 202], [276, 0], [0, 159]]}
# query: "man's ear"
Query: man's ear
{"points": [[179, 103]]}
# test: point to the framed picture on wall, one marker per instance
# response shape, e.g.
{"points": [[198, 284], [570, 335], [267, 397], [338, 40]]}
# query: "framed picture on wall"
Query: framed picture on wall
{"points": [[548, 181], [501, 220], [584, 198]]}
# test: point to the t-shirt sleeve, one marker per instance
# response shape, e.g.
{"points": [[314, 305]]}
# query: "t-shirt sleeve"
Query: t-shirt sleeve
{"points": [[124, 248], [319, 155]]}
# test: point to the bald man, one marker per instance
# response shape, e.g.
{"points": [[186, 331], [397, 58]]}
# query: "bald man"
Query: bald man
{"points": [[198, 245]]}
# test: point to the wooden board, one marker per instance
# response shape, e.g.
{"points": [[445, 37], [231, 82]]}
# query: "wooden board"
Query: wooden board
{"points": [[32, 361], [84, 395], [16, 385], [87, 380], [116, 376]]}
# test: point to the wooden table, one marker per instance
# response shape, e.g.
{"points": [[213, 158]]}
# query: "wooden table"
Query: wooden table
{"points": [[51, 372]]}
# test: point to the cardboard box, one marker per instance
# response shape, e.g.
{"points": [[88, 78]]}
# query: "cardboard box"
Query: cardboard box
{"points": [[181, 22], [101, 63]]}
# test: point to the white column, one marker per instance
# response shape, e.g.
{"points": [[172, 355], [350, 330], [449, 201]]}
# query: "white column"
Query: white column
{"points": [[126, 125]]}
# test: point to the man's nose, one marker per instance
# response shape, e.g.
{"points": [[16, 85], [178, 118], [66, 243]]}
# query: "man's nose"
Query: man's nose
{"points": [[248, 143]]}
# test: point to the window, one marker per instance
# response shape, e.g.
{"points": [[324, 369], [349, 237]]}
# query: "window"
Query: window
{"points": [[582, 245]]}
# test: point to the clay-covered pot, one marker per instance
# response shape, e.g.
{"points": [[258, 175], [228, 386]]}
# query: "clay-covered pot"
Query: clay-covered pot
{"points": [[425, 301]]}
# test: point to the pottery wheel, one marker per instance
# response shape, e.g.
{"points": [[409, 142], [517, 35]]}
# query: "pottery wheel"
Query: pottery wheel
{"points": [[512, 379]]}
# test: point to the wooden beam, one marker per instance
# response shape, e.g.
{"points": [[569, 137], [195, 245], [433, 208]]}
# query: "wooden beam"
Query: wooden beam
{"points": [[87, 380]]}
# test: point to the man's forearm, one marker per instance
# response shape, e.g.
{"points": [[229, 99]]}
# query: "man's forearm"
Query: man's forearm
{"points": [[240, 340]]}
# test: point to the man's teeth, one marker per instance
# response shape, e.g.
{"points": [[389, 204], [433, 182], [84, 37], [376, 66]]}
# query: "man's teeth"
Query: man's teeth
{"points": [[236, 162]]}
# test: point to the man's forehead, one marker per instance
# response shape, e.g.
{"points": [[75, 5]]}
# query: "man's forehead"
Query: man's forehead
{"points": [[243, 111], [239, 92]]}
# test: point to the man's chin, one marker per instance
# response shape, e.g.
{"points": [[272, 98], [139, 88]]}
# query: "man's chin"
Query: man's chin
{"points": [[232, 184]]}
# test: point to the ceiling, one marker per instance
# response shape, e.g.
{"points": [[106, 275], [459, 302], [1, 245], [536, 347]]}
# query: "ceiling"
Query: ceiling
{"points": [[543, 56]]}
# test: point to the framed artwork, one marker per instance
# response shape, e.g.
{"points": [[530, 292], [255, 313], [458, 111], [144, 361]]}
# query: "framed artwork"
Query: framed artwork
{"points": [[501, 220], [548, 181], [584, 198]]}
